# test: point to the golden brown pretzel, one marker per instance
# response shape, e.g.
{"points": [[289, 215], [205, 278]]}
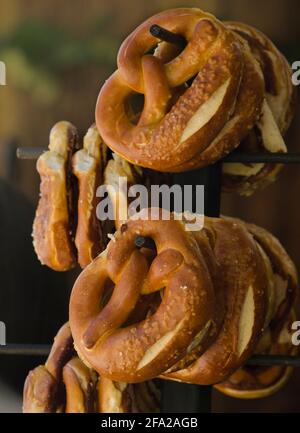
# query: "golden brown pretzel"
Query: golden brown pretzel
{"points": [[53, 227], [144, 349], [251, 382], [116, 169], [277, 112], [284, 275], [42, 392], [119, 397], [80, 384], [171, 134], [244, 279], [65, 384], [88, 166], [275, 288], [244, 283]]}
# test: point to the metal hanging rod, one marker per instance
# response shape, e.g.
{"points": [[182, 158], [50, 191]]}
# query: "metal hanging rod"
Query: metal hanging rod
{"points": [[44, 350], [246, 158], [25, 349], [165, 35]]}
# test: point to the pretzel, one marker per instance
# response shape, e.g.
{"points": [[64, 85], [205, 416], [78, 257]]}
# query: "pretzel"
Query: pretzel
{"points": [[63, 384], [258, 382], [88, 166], [80, 383], [284, 275], [41, 389], [118, 168], [66, 384], [143, 349], [118, 397], [277, 112], [53, 226], [181, 128], [244, 283], [251, 382], [274, 292]]}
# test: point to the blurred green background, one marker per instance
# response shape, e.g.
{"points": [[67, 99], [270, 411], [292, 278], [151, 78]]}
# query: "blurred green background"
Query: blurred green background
{"points": [[58, 54]]}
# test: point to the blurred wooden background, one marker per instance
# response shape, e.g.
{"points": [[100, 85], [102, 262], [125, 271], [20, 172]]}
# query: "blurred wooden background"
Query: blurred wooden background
{"points": [[57, 56]]}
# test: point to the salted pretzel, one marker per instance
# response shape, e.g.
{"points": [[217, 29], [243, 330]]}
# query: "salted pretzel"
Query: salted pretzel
{"points": [[88, 166], [141, 350], [250, 382], [283, 273], [53, 227], [244, 282], [255, 260], [116, 172], [63, 384], [277, 113], [66, 384], [120, 397], [41, 389], [181, 128]]}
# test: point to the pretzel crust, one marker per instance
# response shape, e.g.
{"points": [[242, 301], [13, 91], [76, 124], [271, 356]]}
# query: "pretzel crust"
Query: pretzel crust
{"points": [[278, 283], [142, 350], [277, 113], [88, 166], [52, 227], [243, 282], [116, 397], [258, 382], [200, 120], [118, 168], [80, 383], [41, 389], [66, 384]]}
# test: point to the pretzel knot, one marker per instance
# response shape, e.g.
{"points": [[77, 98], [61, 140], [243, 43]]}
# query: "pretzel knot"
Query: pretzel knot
{"points": [[108, 335], [181, 127]]}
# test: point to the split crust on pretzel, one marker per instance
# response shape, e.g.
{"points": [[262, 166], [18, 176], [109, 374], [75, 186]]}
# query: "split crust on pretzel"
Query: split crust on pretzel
{"points": [[280, 288], [53, 223], [253, 280], [141, 350], [63, 384], [277, 113], [116, 169], [119, 397], [208, 119], [66, 384], [88, 166], [41, 389], [251, 382], [243, 283]]}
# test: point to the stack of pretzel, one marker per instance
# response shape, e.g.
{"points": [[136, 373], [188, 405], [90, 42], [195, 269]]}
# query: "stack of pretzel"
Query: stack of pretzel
{"points": [[66, 385], [189, 306], [193, 310], [228, 87], [66, 229]]}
